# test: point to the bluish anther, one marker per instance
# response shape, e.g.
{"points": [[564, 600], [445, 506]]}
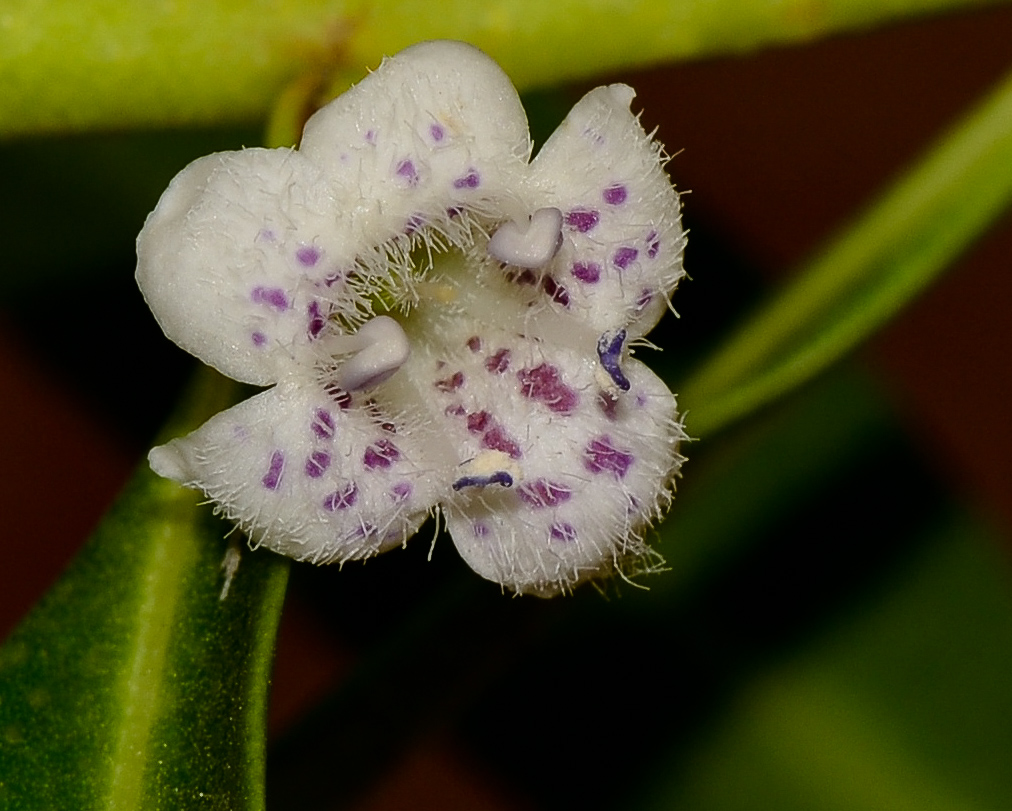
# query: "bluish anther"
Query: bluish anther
{"points": [[499, 477], [609, 350]]}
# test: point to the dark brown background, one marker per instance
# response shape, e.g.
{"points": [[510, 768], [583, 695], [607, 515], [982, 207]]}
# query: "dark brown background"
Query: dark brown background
{"points": [[778, 149]]}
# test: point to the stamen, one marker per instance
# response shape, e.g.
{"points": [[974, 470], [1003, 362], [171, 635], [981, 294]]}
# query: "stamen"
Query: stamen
{"points": [[609, 350], [499, 477], [380, 348], [532, 246]]}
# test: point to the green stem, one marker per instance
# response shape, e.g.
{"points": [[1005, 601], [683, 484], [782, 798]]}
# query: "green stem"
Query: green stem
{"points": [[131, 63], [862, 278]]}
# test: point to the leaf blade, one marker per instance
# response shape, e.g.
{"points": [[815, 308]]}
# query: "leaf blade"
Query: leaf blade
{"points": [[132, 685], [897, 247]]}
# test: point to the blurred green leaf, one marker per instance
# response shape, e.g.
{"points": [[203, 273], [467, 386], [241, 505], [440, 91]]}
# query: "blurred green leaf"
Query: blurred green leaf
{"points": [[904, 705], [67, 66], [132, 685], [867, 274]]}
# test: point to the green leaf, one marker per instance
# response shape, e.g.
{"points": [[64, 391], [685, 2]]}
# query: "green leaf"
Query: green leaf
{"points": [[862, 278], [68, 67], [904, 704], [132, 685]]}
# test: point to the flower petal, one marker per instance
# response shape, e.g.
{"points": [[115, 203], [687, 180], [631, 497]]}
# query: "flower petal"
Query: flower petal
{"points": [[621, 256], [558, 473], [437, 129], [239, 260], [313, 474]]}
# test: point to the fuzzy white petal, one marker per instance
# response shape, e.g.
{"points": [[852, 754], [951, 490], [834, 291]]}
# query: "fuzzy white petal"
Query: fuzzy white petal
{"points": [[590, 483], [313, 476], [622, 253], [436, 128], [222, 260]]}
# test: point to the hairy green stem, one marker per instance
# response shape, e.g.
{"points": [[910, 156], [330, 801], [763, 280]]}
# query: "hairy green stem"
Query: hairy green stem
{"points": [[68, 67]]}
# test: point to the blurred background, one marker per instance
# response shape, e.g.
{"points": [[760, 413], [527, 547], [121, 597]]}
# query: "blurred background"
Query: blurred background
{"points": [[849, 651]]}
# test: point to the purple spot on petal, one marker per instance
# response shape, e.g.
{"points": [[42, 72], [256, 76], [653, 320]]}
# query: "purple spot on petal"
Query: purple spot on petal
{"points": [[542, 493], [341, 499], [582, 219], [455, 410], [308, 256], [653, 244], [437, 132], [478, 421], [273, 297], [323, 424], [415, 223], [452, 383], [474, 343], [258, 338], [645, 297], [624, 257], [480, 529], [272, 478], [526, 277], [316, 320], [544, 384], [562, 531], [499, 363], [338, 395], [589, 272], [370, 136], [317, 463], [401, 491], [601, 455], [615, 195], [469, 181], [558, 293], [407, 171], [496, 439], [381, 454], [608, 405]]}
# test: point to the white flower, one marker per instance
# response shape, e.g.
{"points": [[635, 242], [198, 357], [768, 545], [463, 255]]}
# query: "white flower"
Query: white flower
{"points": [[445, 324]]}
